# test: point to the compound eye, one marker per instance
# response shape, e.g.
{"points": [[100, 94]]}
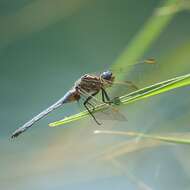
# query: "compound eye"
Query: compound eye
{"points": [[108, 75]]}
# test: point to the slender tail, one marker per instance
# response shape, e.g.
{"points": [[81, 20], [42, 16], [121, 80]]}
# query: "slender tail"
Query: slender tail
{"points": [[29, 124]]}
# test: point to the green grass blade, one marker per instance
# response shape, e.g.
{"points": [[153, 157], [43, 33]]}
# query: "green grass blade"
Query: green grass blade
{"points": [[167, 139], [156, 89], [149, 91]]}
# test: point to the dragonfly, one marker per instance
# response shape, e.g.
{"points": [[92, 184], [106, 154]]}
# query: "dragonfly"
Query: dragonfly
{"points": [[86, 87]]}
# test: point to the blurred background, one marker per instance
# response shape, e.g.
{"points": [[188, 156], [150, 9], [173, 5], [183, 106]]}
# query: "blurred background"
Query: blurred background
{"points": [[45, 46]]}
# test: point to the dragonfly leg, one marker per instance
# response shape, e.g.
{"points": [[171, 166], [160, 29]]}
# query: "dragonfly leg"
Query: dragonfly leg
{"points": [[91, 112], [115, 100], [93, 107], [129, 83], [105, 98]]}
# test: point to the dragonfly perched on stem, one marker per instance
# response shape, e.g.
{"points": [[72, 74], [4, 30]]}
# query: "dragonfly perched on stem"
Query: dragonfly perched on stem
{"points": [[86, 87]]}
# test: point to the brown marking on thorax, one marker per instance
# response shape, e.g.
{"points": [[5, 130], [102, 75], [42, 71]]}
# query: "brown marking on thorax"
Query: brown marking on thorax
{"points": [[89, 83]]}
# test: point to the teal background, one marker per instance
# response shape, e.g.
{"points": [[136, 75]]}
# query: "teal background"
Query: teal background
{"points": [[44, 47]]}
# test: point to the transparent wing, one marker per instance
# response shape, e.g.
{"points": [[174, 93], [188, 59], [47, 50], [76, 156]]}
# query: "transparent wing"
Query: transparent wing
{"points": [[134, 77], [111, 113], [128, 84], [148, 62]]}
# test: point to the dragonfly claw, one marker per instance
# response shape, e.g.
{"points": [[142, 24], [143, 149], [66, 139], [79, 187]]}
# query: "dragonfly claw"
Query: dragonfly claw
{"points": [[116, 101]]}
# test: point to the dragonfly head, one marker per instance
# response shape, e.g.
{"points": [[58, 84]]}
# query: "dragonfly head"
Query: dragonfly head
{"points": [[107, 75]]}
